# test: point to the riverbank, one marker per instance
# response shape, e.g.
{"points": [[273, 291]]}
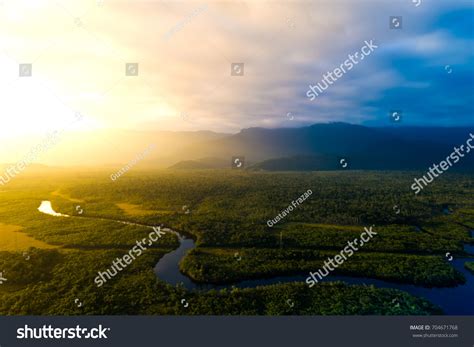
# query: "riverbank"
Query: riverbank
{"points": [[450, 300]]}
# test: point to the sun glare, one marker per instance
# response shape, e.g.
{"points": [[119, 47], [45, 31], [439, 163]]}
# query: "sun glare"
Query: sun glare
{"points": [[27, 109]]}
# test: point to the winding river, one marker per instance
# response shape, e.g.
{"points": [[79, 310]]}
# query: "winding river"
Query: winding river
{"points": [[452, 300]]}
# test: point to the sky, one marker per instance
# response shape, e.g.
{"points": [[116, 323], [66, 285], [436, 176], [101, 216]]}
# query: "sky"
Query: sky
{"points": [[78, 51]]}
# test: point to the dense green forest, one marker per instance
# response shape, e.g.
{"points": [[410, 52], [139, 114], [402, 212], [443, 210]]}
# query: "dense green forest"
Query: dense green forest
{"points": [[469, 265], [217, 266], [226, 212]]}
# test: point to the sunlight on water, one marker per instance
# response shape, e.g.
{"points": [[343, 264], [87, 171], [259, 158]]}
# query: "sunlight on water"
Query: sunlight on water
{"points": [[46, 207]]}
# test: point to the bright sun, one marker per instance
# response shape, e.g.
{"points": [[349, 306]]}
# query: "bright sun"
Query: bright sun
{"points": [[27, 108]]}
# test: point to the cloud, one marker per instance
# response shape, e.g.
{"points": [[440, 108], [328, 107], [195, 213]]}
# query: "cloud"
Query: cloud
{"points": [[185, 51]]}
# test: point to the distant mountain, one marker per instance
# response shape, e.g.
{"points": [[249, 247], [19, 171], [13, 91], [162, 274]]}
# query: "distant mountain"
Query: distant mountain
{"points": [[331, 138], [113, 147], [322, 146], [315, 147], [334, 138], [451, 136]]}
